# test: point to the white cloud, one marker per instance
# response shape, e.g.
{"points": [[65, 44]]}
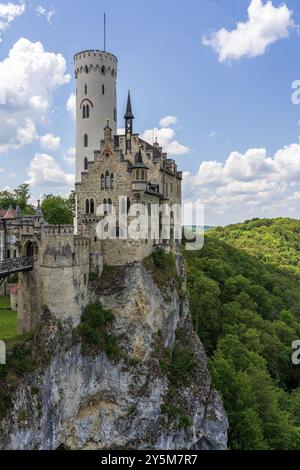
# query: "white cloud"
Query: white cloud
{"points": [[71, 105], [30, 77], [212, 135], [8, 13], [50, 142], [168, 121], [69, 156], [166, 137], [48, 14], [248, 185], [265, 25], [44, 171]]}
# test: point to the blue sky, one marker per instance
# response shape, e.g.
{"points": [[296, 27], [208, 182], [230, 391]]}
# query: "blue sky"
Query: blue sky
{"points": [[236, 129]]}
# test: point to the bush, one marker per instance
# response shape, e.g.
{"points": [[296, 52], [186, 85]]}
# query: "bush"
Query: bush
{"points": [[93, 331], [183, 364]]}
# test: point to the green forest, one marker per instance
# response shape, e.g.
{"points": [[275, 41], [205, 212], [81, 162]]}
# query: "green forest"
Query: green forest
{"points": [[244, 289]]}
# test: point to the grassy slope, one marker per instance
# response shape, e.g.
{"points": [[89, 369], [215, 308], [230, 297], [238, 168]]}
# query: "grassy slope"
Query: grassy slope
{"points": [[244, 288], [8, 320]]}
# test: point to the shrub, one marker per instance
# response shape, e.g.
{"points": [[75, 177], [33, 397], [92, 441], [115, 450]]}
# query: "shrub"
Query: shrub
{"points": [[183, 364], [93, 331]]}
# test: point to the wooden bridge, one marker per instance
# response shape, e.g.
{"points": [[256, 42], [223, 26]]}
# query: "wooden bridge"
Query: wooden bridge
{"points": [[14, 266]]}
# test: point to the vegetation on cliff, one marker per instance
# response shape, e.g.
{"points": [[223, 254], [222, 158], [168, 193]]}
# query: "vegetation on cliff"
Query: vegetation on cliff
{"points": [[244, 288]]}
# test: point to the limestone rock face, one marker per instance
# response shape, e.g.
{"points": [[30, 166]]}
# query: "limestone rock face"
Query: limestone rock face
{"points": [[90, 402]]}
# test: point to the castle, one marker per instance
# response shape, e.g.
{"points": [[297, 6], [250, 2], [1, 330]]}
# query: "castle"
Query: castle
{"points": [[114, 174]]}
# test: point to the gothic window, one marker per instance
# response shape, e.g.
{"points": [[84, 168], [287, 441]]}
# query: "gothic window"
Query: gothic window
{"points": [[85, 89], [86, 140], [112, 181], [87, 206], [107, 181], [102, 182], [92, 206], [109, 206], [105, 206], [103, 89], [86, 163]]}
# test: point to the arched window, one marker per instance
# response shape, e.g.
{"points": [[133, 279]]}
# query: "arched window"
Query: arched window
{"points": [[85, 89], [87, 111], [103, 70], [112, 181], [103, 90], [86, 140], [102, 182], [87, 206], [86, 164], [107, 180], [105, 206], [86, 69], [109, 208], [92, 206]]}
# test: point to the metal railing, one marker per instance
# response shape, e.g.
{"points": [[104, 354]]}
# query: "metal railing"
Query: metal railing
{"points": [[15, 265]]}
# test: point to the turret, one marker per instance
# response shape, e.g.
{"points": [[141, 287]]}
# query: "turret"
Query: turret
{"points": [[129, 117], [96, 102], [140, 173]]}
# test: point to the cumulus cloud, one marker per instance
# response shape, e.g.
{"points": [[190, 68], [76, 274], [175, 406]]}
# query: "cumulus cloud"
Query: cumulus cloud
{"points": [[265, 25], [50, 142], [166, 137], [30, 77], [69, 156], [48, 14], [71, 105], [248, 185], [168, 121], [44, 171], [8, 13]]}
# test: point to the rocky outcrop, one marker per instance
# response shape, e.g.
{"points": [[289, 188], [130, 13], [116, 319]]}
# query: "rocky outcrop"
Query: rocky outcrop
{"points": [[80, 401]]}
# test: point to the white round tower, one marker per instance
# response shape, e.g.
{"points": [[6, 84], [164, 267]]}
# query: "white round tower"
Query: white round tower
{"points": [[96, 102]]}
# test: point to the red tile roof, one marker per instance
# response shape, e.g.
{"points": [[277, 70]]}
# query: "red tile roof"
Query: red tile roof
{"points": [[8, 213]]}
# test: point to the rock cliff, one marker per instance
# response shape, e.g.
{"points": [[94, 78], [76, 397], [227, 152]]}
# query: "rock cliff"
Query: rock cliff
{"points": [[157, 395]]}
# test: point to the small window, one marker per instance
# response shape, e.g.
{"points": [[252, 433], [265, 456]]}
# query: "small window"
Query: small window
{"points": [[86, 69], [87, 111], [86, 140], [102, 182], [87, 206], [115, 114], [137, 175], [143, 175], [85, 89], [103, 90], [107, 181], [109, 206], [86, 164], [103, 70], [112, 181], [83, 112], [92, 206]]}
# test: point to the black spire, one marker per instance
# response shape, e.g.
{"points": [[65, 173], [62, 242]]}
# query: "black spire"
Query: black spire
{"points": [[129, 113]]}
